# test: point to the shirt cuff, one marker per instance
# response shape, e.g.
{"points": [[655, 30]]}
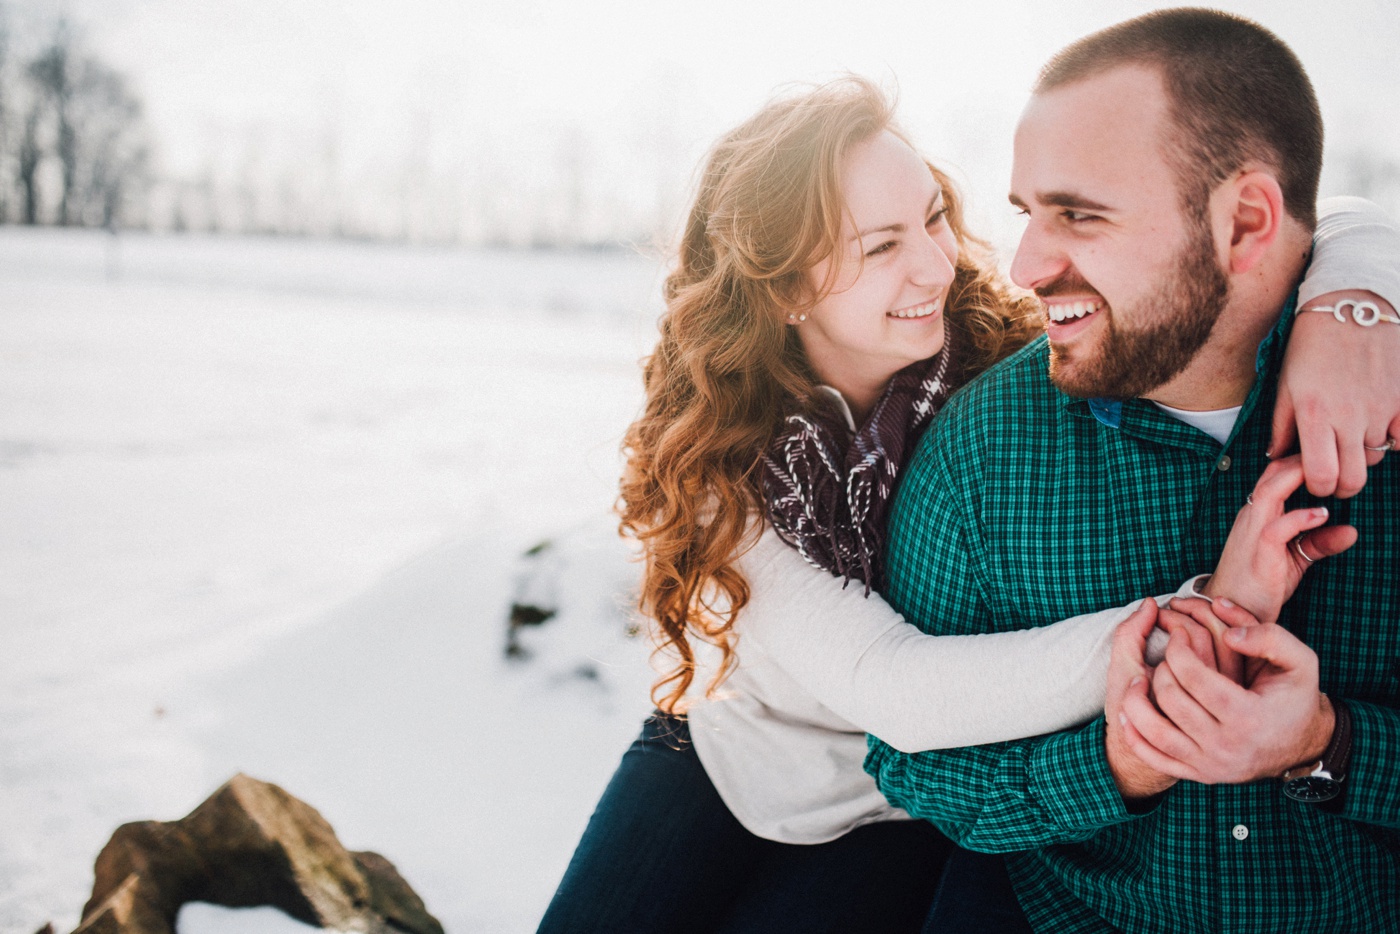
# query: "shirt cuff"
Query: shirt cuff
{"points": [[1071, 780], [1372, 795]]}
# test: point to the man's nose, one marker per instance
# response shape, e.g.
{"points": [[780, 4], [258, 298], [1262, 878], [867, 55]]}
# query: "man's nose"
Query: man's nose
{"points": [[1038, 260]]}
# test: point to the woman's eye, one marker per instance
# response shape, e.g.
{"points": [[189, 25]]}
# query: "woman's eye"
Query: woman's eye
{"points": [[937, 217], [882, 248]]}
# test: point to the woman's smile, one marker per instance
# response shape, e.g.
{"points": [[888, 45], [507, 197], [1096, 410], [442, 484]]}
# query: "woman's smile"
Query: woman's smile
{"points": [[917, 311]]}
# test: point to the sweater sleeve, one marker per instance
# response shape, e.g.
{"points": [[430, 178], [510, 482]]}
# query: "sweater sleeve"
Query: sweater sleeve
{"points": [[1356, 246], [861, 660]]}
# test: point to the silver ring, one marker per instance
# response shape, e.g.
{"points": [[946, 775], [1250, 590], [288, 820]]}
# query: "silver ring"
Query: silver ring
{"points": [[1298, 547], [1388, 446], [1249, 500]]}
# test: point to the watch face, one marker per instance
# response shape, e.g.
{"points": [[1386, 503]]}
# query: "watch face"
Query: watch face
{"points": [[1312, 789]]}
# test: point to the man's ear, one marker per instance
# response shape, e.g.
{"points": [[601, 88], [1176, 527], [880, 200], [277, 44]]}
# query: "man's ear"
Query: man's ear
{"points": [[1256, 216]]}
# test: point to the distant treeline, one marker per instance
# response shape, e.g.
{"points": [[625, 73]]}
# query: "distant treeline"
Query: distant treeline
{"points": [[76, 149]]}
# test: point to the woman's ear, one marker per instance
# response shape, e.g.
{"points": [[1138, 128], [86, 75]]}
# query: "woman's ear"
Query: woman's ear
{"points": [[1255, 217]]}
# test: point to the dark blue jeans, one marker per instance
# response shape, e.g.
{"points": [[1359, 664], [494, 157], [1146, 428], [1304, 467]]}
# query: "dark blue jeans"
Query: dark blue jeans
{"points": [[975, 897], [662, 853]]}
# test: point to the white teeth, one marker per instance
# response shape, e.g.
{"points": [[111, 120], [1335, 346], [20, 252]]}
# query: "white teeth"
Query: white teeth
{"points": [[918, 311], [1066, 311]]}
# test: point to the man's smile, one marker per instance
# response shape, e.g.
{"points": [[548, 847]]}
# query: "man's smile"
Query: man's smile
{"points": [[1062, 311]]}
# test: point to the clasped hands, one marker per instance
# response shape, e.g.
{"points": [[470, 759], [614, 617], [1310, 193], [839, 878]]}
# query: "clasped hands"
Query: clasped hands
{"points": [[1236, 697]]}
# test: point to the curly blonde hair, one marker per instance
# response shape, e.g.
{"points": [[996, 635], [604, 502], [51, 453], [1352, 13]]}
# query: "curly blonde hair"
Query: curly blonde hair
{"points": [[726, 372]]}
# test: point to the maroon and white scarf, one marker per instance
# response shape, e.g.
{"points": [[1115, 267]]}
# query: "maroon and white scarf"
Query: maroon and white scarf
{"points": [[827, 491]]}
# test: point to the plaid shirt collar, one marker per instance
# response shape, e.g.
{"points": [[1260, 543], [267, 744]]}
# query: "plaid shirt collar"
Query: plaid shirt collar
{"points": [[1140, 418]]}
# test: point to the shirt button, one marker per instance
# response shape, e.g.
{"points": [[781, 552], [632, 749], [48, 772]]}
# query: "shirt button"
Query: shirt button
{"points": [[1241, 832], [1224, 462]]}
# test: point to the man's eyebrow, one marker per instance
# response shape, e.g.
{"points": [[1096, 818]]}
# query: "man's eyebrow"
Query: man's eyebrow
{"points": [[1062, 199], [898, 228]]}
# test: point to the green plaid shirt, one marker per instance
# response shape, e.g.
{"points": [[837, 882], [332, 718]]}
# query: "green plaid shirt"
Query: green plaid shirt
{"points": [[1023, 506]]}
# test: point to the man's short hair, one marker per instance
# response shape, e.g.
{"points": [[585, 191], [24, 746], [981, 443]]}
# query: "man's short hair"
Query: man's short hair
{"points": [[1237, 94]]}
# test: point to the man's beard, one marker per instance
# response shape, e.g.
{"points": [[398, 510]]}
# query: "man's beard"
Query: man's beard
{"points": [[1178, 319]]}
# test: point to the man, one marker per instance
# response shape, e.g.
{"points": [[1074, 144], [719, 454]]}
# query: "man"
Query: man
{"points": [[1168, 167]]}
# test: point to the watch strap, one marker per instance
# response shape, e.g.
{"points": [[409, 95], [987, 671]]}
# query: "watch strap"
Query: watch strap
{"points": [[1338, 751]]}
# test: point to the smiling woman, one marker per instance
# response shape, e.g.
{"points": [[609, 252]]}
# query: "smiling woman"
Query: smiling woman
{"points": [[884, 286], [823, 270]]}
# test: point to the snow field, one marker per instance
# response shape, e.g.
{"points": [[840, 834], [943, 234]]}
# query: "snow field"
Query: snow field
{"points": [[259, 517]]}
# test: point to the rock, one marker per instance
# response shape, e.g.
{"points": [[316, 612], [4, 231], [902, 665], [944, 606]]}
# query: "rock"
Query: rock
{"points": [[536, 597], [249, 844]]}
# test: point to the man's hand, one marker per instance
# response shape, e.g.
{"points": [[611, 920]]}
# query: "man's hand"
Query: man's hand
{"points": [[1338, 394], [1203, 625], [1135, 779], [1206, 728], [1260, 567]]}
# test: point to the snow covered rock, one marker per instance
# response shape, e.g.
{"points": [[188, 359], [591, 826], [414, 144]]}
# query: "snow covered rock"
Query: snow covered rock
{"points": [[248, 844]]}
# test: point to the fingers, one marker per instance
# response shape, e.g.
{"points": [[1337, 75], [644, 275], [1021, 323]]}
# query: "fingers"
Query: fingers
{"points": [[1198, 612], [1194, 634], [1139, 624], [1328, 541], [1232, 614], [1222, 658], [1144, 727], [1278, 482], [1283, 437], [1130, 638], [1376, 449], [1181, 708], [1273, 644], [1126, 659], [1319, 451], [1154, 758], [1203, 683], [1351, 465], [1292, 524]]}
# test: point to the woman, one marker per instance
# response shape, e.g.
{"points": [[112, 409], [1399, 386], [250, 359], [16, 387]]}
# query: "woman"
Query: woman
{"points": [[826, 300]]}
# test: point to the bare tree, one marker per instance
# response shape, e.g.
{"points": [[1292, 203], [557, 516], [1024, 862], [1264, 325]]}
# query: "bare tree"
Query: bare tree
{"points": [[85, 117], [6, 114], [111, 154], [52, 76], [30, 153]]}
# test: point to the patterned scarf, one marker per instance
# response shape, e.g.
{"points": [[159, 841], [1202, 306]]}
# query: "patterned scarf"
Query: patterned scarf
{"points": [[827, 491]]}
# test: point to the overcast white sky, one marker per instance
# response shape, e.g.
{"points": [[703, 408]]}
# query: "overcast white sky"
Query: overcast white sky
{"points": [[370, 77]]}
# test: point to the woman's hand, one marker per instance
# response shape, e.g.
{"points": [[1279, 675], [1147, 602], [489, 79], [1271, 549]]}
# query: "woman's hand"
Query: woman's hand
{"points": [[1338, 394], [1269, 549]]}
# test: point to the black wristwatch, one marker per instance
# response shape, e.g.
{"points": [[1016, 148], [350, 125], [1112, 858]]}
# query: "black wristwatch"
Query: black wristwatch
{"points": [[1322, 780]]}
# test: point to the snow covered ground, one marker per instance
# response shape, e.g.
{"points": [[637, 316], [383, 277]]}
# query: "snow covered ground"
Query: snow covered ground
{"points": [[261, 509]]}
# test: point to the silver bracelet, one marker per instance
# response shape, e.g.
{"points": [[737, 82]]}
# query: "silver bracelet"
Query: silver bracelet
{"points": [[1366, 314]]}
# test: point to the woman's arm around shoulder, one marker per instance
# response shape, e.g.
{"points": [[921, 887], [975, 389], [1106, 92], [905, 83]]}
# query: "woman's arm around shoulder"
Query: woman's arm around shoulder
{"points": [[1342, 424]]}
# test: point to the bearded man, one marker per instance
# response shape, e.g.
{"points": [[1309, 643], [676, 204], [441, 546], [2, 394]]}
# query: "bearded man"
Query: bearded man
{"points": [[1168, 167]]}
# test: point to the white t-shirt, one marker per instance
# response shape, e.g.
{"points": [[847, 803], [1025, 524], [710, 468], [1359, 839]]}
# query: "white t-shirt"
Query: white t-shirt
{"points": [[1218, 423]]}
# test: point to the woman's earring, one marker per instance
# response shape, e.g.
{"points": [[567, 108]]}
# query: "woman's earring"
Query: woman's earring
{"points": [[797, 319]]}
